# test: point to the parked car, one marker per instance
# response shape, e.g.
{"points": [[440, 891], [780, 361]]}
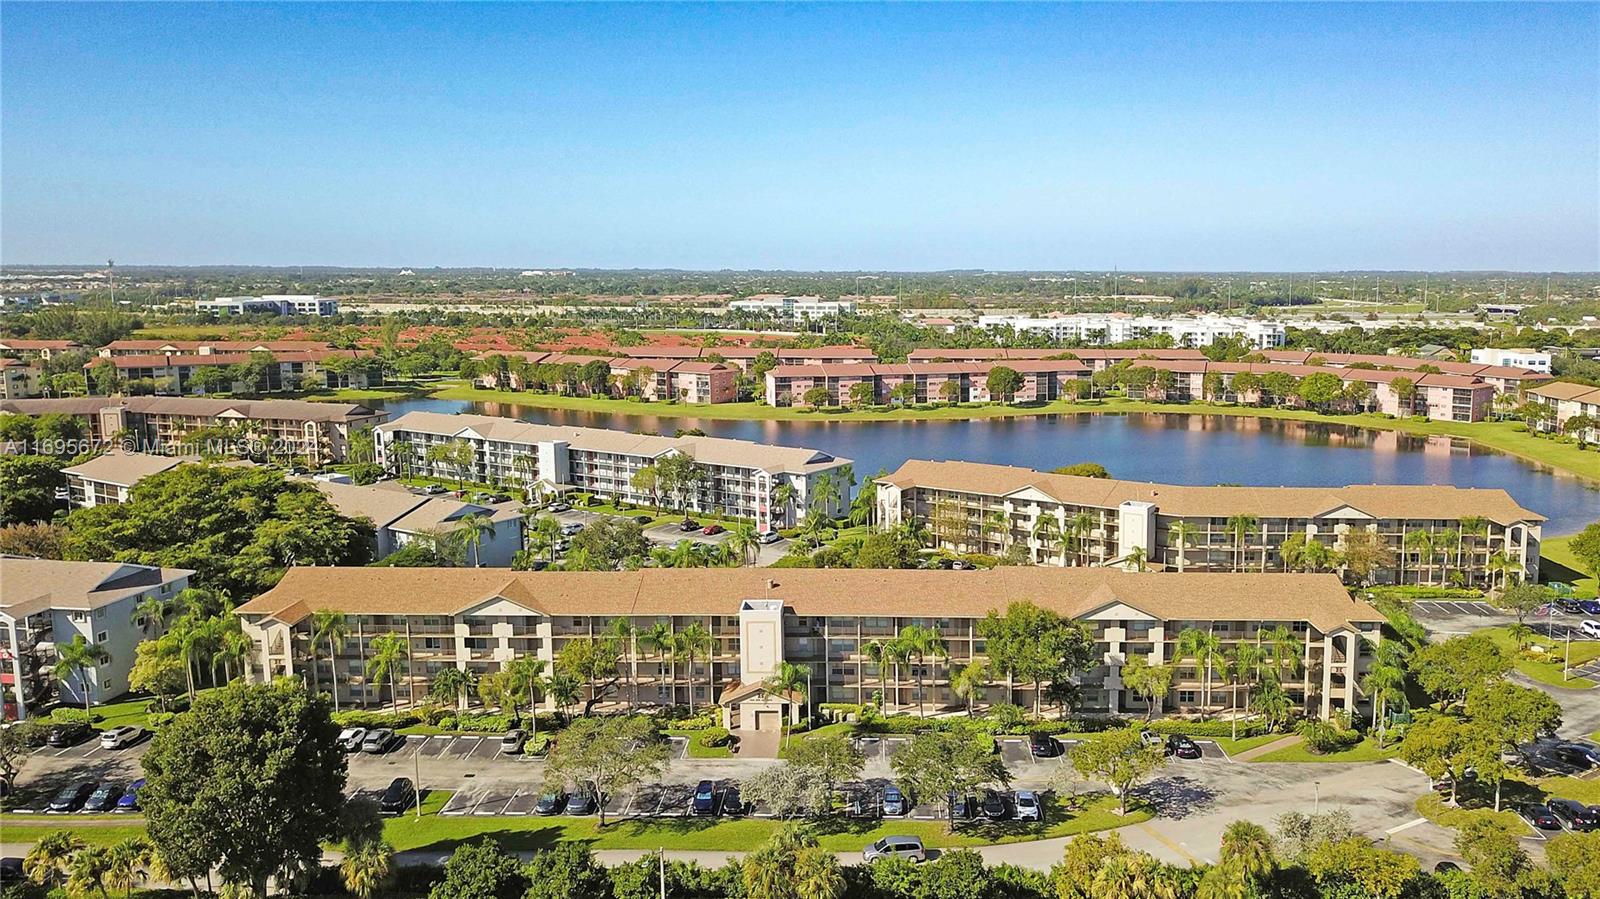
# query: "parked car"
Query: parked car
{"points": [[894, 801], [582, 803], [1546, 760], [643, 520], [10, 870], [962, 808], [434, 489], [550, 803], [712, 529], [896, 847], [962, 565], [1151, 738], [996, 805], [1576, 754], [118, 737], [732, 802], [1044, 746], [572, 528], [104, 798], [1539, 816], [498, 498], [1588, 751], [1589, 606], [705, 798], [1574, 814], [64, 735], [1028, 808], [400, 795], [1445, 867], [71, 797], [769, 537], [378, 740], [1568, 606], [351, 738], [1182, 747], [559, 507], [688, 524], [1590, 628], [511, 743], [129, 800]]}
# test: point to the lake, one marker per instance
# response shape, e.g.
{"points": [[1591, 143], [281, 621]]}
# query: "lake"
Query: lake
{"points": [[1153, 446]]}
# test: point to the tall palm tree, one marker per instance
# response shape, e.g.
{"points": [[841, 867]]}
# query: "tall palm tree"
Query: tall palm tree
{"points": [[451, 684], [824, 493], [366, 867], [788, 679], [785, 496], [1243, 666], [389, 652], [527, 673], [1047, 532], [621, 631], [1385, 682], [76, 660], [1182, 535], [877, 651], [1205, 648], [742, 540], [998, 522], [1240, 527], [1420, 542], [88, 871], [1137, 557], [1247, 851], [694, 642], [921, 642], [331, 628], [969, 680], [658, 639], [152, 614], [817, 874], [46, 863], [129, 864], [1473, 526], [1080, 526], [472, 530]]}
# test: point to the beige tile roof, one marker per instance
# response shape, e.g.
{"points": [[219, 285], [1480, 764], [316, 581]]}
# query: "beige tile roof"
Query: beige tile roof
{"points": [[441, 513], [1376, 500], [30, 586], [124, 469], [261, 410], [379, 505], [709, 450], [1317, 598], [1567, 390]]}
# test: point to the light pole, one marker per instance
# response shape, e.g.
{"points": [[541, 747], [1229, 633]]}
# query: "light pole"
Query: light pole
{"points": [[1316, 797]]}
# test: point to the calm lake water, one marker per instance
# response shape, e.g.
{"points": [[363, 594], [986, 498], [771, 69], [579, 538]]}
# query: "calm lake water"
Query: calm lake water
{"points": [[1174, 448]]}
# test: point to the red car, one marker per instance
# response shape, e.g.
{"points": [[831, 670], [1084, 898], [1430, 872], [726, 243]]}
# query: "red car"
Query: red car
{"points": [[710, 529]]}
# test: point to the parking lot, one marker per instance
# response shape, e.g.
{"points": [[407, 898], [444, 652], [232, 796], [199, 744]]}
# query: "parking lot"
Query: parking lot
{"points": [[669, 533], [1440, 608]]}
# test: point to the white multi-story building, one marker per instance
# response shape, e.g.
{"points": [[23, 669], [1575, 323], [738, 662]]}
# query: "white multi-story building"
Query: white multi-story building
{"points": [[45, 604], [277, 304], [737, 478], [795, 308], [1116, 327], [1522, 357]]}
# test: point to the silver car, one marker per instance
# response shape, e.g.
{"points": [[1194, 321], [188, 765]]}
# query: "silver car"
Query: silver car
{"points": [[896, 847], [1028, 806]]}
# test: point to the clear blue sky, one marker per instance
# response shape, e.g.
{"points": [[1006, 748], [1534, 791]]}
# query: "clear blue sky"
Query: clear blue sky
{"points": [[810, 137]]}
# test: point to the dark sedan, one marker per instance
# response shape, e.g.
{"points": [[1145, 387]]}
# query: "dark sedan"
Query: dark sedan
{"points": [[1182, 747], [962, 808], [63, 735], [996, 806], [550, 803], [1044, 746], [582, 803], [705, 798], [70, 798], [400, 795], [104, 799], [1539, 816], [1574, 814], [732, 802]]}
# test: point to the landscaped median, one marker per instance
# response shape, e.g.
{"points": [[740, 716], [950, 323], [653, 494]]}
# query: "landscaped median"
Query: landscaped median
{"points": [[1546, 667], [1365, 751]]}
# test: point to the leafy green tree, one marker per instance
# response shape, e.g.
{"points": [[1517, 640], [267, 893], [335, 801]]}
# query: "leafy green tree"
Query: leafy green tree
{"points": [[1574, 859], [1450, 670], [1003, 382], [1083, 470], [567, 871], [832, 759], [817, 396], [1149, 681], [1505, 716], [787, 790], [28, 486], [481, 870], [250, 781], [612, 542], [1036, 645], [1497, 861], [1119, 758], [592, 662], [1586, 547], [607, 755], [945, 761]]}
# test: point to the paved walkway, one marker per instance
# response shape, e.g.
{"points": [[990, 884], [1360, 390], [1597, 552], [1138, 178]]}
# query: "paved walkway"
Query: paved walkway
{"points": [[1274, 746], [759, 744]]}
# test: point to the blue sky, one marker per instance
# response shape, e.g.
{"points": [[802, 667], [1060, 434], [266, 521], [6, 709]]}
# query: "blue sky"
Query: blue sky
{"points": [[905, 137]]}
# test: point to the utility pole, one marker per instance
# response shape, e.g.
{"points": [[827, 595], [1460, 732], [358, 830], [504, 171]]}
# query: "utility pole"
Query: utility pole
{"points": [[111, 276]]}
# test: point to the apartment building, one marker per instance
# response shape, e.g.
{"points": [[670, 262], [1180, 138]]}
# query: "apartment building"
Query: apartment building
{"points": [[178, 374], [400, 518], [1088, 522], [655, 379], [1097, 358], [1525, 358], [19, 379], [316, 432], [773, 486], [1504, 378], [479, 620], [271, 304], [132, 347], [45, 603], [1118, 327], [1042, 381], [1568, 400], [742, 357], [35, 349], [108, 479], [1401, 393], [795, 308]]}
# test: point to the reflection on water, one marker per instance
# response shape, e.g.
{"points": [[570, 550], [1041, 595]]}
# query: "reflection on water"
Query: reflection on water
{"points": [[1171, 447]]}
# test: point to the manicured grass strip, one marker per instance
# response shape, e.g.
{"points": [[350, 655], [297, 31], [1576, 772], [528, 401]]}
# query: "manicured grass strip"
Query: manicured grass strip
{"points": [[32, 828], [1365, 751], [1548, 672], [1585, 791], [1243, 744], [436, 833], [1506, 436], [696, 751], [1565, 567], [1432, 806]]}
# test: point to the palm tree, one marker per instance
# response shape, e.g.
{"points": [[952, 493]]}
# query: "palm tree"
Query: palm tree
{"points": [[47, 861], [1182, 535], [824, 493], [1420, 542], [233, 645], [921, 642], [472, 530], [527, 673], [742, 540], [1469, 526], [692, 642], [1501, 564], [452, 685], [658, 639], [1243, 664], [130, 862], [896, 652], [1079, 527], [969, 680], [194, 642], [1047, 532], [366, 867], [1240, 527], [402, 452], [817, 874], [788, 680], [1137, 558], [88, 871], [1247, 853], [152, 613], [76, 660], [1285, 652], [1205, 648], [329, 626], [998, 522], [621, 631], [389, 652], [785, 496], [877, 650], [1385, 682]]}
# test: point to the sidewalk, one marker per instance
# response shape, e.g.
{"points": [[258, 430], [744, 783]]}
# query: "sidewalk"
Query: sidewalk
{"points": [[1274, 746]]}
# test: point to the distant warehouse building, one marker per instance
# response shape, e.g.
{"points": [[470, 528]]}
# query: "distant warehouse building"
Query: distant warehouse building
{"points": [[795, 308], [1116, 327], [272, 304]]}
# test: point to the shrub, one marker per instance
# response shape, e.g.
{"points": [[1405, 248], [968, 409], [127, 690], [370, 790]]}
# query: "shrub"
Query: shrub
{"points": [[361, 718], [485, 722], [1205, 728], [713, 737], [1008, 717], [158, 720], [1323, 737], [71, 716]]}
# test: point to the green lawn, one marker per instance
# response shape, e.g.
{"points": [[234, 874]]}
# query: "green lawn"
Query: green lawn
{"points": [[1557, 563], [1506, 436], [696, 751], [1432, 806], [130, 710], [1548, 672], [1365, 751], [436, 833], [1243, 744], [31, 828]]}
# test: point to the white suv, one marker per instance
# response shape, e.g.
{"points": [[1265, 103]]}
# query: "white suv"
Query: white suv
{"points": [[1590, 628], [118, 737]]}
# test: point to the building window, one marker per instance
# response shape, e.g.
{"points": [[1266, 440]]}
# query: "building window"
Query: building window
{"points": [[1186, 696], [101, 637]]}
